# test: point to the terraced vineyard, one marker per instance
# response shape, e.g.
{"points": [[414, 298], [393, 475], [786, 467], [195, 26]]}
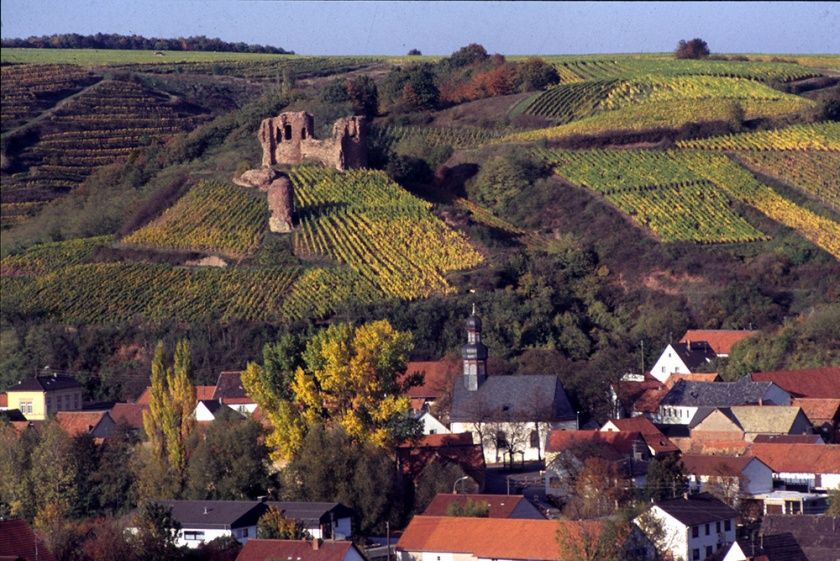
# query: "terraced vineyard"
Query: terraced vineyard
{"points": [[658, 192], [318, 292], [459, 138], [213, 217], [568, 102], [44, 258], [389, 237], [814, 173], [824, 136], [266, 68], [101, 126], [30, 89]]}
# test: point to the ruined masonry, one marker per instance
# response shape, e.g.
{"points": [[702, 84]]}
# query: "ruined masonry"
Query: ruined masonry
{"points": [[286, 140]]}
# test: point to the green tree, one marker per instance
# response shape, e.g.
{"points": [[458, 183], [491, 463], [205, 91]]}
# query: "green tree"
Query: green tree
{"points": [[833, 503], [16, 484], [537, 74], [470, 54], [436, 477], [274, 525], [470, 508], [280, 360], [501, 179], [364, 95], [54, 474], [113, 480], [228, 462], [665, 478], [694, 48], [156, 533]]}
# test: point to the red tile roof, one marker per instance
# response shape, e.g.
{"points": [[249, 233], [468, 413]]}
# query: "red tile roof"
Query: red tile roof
{"points": [[492, 538], [4, 400], [455, 448], [201, 392], [302, 550], [620, 442], [696, 464], [799, 458], [436, 440], [652, 436], [720, 340], [501, 506], [437, 377], [713, 447], [693, 377], [818, 410], [129, 413], [76, 423], [807, 382], [17, 540]]}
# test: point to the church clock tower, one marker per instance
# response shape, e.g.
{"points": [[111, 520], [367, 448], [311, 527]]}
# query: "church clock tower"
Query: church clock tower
{"points": [[474, 354]]}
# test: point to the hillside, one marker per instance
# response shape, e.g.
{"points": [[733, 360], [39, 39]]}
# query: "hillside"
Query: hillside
{"points": [[709, 185]]}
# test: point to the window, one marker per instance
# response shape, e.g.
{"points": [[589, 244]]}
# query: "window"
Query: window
{"points": [[26, 407], [554, 482], [432, 431], [501, 439], [709, 551], [288, 132], [193, 535], [303, 132], [708, 529], [244, 532], [663, 369], [717, 526], [695, 554], [535, 439], [695, 531], [727, 525]]}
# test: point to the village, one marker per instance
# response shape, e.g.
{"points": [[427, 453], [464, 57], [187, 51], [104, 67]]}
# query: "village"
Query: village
{"points": [[689, 466]]}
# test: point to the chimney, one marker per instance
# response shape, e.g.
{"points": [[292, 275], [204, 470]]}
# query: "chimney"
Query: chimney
{"points": [[206, 511], [316, 544]]}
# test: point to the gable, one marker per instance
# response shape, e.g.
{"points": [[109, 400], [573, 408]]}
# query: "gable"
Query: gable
{"points": [[718, 421]]}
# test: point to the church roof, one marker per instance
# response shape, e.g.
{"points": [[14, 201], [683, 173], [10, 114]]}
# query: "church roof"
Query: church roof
{"points": [[526, 397]]}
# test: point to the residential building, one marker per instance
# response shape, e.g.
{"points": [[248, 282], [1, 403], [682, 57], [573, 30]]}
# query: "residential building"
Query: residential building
{"points": [[208, 410], [801, 467], [681, 403], [414, 456], [746, 422], [509, 416], [760, 547], [199, 392], [824, 414], [694, 527], [40, 397], [437, 377], [448, 538], [98, 424], [734, 476], [682, 358], [499, 506], [299, 550], [818, 536], [430, 423], [229, 391], [4, 401], [656, 441], [806, 382], [203, 521], [323, 520], [19, 543], [130, 414], [720, 341], [793, 502]]}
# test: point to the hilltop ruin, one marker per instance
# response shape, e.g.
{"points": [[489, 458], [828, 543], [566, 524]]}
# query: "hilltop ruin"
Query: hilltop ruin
{"points": [[287, 139]]}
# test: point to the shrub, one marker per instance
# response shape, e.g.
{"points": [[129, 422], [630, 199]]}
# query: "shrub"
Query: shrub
{"points": [[695, 48]]}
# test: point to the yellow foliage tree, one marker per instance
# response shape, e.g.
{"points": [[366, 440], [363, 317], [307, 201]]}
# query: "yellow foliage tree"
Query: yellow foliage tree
{"points": [[350, 378]]}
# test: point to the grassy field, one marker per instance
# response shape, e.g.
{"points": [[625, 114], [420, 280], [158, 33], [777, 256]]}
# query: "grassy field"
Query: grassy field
{"points": [[98, 57]]}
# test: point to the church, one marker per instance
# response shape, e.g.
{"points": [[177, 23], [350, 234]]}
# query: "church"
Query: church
{"points": [[510, 416]]}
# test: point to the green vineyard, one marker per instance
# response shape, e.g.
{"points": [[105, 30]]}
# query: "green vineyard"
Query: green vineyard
{"points": [[815, 173], [48, 257], [212, 217], [823, 136], [459, 138], [389, 237]]}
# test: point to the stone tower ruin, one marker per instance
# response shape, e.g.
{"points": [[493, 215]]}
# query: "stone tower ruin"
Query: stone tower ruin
{"points": [[280, 193], [288, 139]]}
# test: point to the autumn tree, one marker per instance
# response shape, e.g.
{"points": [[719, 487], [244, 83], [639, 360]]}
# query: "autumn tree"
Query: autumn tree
{"points": [[599, 490], [274, 525], [592, 541], [469, 508], [350, 378], [168, 422], [665, 478], [695, 48], [54, 474]]}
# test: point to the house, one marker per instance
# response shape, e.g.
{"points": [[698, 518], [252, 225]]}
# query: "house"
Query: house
{"points": [[745, 422], [793, 502], [567, 450], [818, 536], [19, 543], [720, 341], [323, 520], [98, 424], [436, 376], [693, 377], [694, 527], [807, 382], [682, 358], [788, 439], [824, 414], [229, 391], [299, 550], [430, 423], [802, 467], [633, 393], [509, 416], [682, 401], [203, 521], [130, 414], [656, 441], [200, 392], [760, 547], [428, 538], [734, 476], [41, 396], [4, 401], [499, 506], [208, 410], [458, 449]]}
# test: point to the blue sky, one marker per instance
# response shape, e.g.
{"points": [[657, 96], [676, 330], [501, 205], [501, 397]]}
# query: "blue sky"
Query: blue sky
{"points": [[392, 28]]}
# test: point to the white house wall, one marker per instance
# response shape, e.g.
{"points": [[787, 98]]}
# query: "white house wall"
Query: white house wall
{"points": [[669, 362], [758, 478], [431, 425], [492, 456], [242, 535]]}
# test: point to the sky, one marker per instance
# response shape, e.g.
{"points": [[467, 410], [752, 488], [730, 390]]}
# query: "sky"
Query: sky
{"points": [[392, 28]]}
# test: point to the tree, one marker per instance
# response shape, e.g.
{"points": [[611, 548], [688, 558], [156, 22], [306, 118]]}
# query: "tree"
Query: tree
{"points": [[54, 473], [350, 378], [695, 48], [665, 478], [537, 74], [335, 92], [364, 95], [591, 541], [113, 481], [599, 488], [833, 503], [274, 525], [16, 485], [156, 533], [438, 476], [470, 54], [470, 508], [414, 52], [229, 461], [500, 179]]}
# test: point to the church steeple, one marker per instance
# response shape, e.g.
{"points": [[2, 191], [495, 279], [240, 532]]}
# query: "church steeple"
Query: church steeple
{"points": [[474, 354]]}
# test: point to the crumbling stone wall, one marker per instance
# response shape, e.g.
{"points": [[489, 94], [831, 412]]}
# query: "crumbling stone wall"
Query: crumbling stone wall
{"points": [[280, 193], [287, 139]]}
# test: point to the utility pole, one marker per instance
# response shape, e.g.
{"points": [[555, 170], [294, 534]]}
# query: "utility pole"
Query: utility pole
{"points": [[388, 538]]}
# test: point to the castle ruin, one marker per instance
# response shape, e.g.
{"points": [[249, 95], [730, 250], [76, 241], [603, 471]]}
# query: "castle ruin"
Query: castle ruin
{"points": [[287, 139], [280, 193]]}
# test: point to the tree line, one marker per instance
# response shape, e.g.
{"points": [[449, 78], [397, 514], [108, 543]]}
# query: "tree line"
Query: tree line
{"points": [[137, 43]]}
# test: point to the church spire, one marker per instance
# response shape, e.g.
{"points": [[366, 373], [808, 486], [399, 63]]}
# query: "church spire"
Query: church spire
{"points": [[474, 354]]}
